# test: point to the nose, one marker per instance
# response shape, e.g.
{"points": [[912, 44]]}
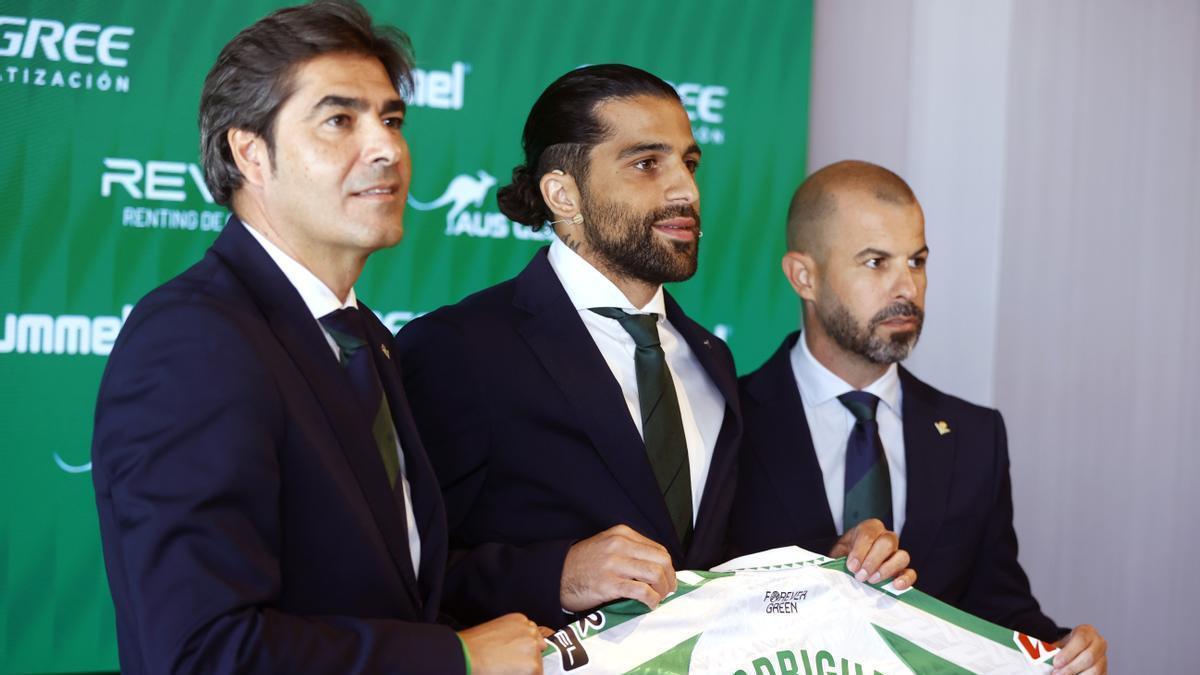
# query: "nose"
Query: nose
{"points": [[905, 286], [682, 188], [383, 144]]}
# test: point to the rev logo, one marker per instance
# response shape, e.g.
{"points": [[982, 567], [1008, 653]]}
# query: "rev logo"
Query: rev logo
{"points": [[29, 41], [159, 181], [467, 190]]}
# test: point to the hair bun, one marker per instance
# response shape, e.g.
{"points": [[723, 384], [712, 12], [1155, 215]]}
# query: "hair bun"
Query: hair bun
{"points": [[522, 200]]}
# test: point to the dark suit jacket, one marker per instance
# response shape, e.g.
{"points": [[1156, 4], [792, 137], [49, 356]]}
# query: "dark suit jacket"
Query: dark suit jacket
{"points": [[247, 522], [535, 447], [958, 528]]}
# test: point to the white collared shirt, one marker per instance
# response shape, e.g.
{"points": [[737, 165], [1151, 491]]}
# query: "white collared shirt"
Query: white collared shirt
{"points": [[701, 405], [831, 422], [320, 301]]}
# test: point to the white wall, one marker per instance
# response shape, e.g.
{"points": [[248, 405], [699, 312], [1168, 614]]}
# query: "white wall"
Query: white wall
{"points": [[1056, 149]]}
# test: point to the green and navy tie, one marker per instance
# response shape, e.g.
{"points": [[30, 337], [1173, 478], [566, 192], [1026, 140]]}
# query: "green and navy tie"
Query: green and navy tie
{"points": [[868, 485], [662, 426], [349, 331]]}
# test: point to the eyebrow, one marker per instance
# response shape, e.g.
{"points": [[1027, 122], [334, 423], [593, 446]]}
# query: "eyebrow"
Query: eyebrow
{"points": [[880, 253], [639, 148], [358, 104]]}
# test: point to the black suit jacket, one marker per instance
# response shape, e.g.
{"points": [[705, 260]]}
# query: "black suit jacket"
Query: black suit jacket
{"points": [[246, 517], [535, 447], [958, 528]]}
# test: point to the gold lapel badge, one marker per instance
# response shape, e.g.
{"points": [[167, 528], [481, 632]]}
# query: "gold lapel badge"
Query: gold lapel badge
{"points": [[386, 354], [942, 427]]}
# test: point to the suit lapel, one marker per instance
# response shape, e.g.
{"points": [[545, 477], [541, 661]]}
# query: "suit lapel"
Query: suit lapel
{"points": [[567, 351], [302, 338], [930, 458], [784, 445], [712, 359]]}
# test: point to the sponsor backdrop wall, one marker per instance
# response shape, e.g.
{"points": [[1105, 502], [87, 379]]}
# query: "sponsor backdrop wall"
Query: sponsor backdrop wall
{"points": [[102, 198]]}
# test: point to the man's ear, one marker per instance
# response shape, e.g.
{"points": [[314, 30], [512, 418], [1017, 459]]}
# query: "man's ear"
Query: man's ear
{"points": [[801, 272], [249, 152], [560, 193]]}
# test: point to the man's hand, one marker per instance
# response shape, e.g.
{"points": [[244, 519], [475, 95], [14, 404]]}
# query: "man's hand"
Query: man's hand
{"points": [[1083, 652], [873, 553], [617, 563], [510, 644]]}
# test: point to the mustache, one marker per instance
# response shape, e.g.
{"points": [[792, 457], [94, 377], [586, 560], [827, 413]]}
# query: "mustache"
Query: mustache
{"points": [[677, 211], [898, 309]]}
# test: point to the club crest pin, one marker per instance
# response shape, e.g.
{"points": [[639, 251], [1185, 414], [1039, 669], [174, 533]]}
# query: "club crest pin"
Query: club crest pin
{"points": [[942, 427], [386, 353]]}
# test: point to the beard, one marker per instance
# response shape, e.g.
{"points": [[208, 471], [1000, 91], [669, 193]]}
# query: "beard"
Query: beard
{"points": [[865, 342], [624, 239]]}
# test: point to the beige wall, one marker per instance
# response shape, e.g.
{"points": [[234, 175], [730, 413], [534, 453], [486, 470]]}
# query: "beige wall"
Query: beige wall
{"points": [[1056, 147]]}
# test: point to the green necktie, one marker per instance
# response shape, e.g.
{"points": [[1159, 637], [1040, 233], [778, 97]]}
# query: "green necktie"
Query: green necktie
{"points": [[867, 483], [350, 333], [662, 426]]}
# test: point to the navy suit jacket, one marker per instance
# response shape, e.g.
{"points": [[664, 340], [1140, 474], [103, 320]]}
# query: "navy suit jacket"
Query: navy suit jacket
{"points": [[534, 445], [958, 528], [246, 517]]}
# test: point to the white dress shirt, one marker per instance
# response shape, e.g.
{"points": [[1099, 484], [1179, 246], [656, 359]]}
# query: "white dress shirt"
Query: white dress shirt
{"points": [[321, 301], [831, 422], [701, 406]]}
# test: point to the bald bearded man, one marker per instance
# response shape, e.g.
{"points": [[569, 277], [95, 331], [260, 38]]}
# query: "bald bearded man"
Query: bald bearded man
{"points": [[836, 432]]}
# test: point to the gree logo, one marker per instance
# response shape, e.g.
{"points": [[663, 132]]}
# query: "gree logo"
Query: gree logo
{"points": [[82, 43], [703, 103]]}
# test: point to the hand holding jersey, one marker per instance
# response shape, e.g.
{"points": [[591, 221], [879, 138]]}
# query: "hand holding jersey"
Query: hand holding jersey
{"points": [[1083, 651], [617, 563], [873, 554]]}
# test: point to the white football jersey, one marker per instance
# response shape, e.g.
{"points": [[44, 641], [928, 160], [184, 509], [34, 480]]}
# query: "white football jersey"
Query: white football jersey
{"points": [[790, 612]]}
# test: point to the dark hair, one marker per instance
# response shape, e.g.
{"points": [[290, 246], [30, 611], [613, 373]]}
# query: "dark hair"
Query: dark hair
{"points": [[562, 128], [254, 75]]}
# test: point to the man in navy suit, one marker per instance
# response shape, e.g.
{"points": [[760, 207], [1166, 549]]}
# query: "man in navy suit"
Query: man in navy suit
{"points": [[583, 428], [856, 255], [265, 502]]}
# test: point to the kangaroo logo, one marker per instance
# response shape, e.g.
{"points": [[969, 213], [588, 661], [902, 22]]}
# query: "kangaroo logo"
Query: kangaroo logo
{"points": [[463, 191]]}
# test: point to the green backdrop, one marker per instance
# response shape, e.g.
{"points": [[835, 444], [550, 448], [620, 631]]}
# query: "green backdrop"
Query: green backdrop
{"points": [[101, 199]]}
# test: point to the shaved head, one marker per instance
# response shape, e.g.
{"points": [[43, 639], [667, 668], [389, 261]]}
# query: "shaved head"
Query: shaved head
{"points": [[810, 215]]}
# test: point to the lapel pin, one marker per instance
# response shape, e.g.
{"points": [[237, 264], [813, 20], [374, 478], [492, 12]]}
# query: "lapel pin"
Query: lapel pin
{"points": [[386, 354], [706, 343], [942, 427]]}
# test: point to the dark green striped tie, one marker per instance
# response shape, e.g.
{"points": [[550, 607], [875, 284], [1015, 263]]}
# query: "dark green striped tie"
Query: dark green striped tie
{"points": [[662, 426], [868, 485], [348, 330]]}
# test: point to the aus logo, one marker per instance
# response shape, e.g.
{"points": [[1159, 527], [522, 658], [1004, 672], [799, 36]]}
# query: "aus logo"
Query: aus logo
{"points": [[463, 191], [71, 468], [463, 200]]}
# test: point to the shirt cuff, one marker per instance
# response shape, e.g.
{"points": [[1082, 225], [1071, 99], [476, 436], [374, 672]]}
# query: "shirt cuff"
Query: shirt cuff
{"points": [[466, 652]]}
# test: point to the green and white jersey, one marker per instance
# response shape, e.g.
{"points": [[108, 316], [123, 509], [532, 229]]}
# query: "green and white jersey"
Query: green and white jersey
{"points": [[790, 612]]}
